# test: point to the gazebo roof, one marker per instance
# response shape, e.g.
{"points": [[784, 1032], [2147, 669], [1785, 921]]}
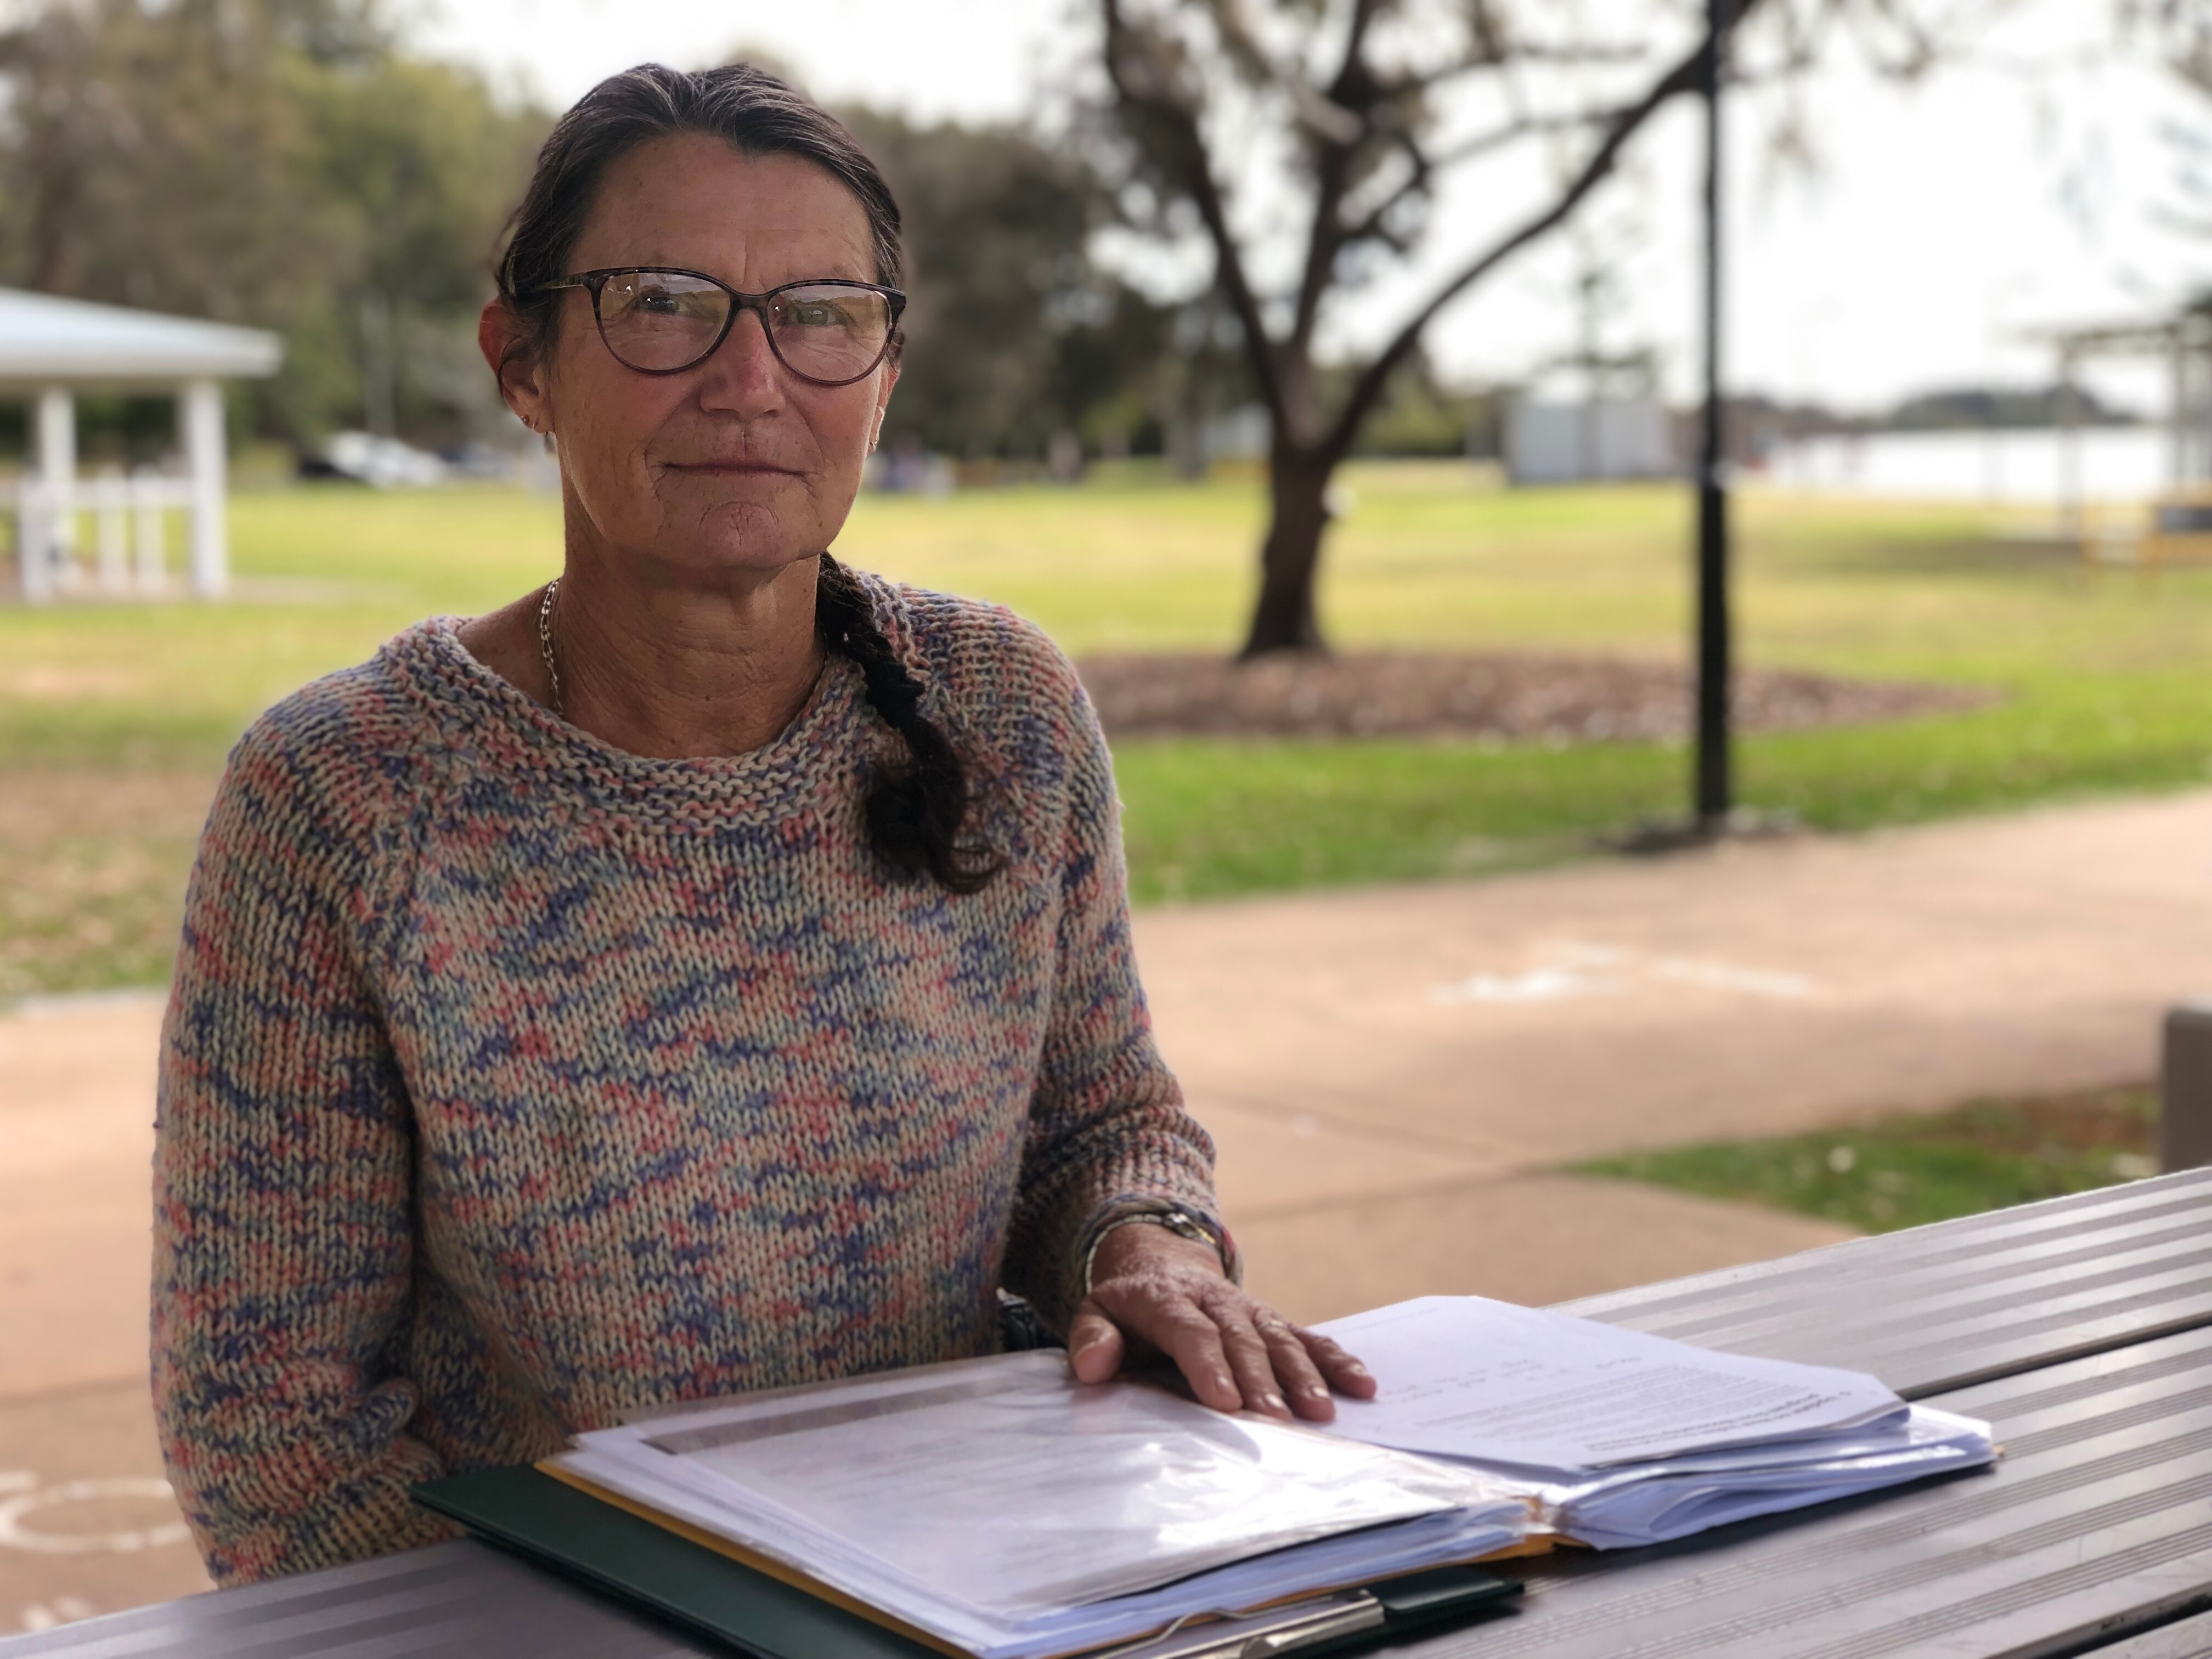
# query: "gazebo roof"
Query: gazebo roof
{"points": [[45, 341]]}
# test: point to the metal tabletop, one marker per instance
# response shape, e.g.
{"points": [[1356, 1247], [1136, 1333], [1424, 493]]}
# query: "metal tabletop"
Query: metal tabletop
{"points": [[2096, 1524], [2081, 1328], [458, 1600], [2190, 1639], [1961, 1302]]}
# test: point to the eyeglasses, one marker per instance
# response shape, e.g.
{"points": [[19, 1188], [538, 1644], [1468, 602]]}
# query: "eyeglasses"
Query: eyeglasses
{"points": [[662, 321]]}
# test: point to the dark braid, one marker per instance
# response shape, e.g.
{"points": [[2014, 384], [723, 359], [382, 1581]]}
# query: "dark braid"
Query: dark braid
{"points": [[914, 811]]}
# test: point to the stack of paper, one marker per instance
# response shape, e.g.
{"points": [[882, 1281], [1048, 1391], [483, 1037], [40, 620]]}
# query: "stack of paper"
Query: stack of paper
{"points": [[1625, 1438], [998, 1506]]}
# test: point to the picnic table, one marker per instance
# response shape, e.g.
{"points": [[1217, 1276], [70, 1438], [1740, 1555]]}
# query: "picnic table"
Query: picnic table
{"points": [[2082, 1329]]}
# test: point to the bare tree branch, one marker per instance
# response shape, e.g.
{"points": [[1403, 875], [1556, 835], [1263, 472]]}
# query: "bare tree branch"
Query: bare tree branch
{"points": [[1684, 78], [1489, 58], [1333, 177], [1425, 166], [1146, 82], [1324, 118]]}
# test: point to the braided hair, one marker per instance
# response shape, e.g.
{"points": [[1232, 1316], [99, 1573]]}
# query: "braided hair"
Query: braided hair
{"points": [[915, 813]]}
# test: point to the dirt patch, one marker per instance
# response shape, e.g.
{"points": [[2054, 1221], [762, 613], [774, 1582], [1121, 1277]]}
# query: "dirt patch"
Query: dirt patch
{"points": [[1504, 697], [92, 875], [2122, 1118]]}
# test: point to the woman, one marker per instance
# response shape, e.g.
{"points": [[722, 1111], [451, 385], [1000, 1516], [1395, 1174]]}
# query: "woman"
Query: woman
{"points": [[710, 972]]}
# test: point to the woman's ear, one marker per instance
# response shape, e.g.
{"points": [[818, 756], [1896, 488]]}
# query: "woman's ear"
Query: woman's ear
{"points": [[890, 372], [504, 341]]}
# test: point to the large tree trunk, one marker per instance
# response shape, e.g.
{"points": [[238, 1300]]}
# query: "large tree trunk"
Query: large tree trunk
{"points": [[1284, 619]]}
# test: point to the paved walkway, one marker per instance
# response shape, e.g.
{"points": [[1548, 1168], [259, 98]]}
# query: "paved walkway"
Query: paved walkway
{"points": [[1394, 1077], [1387, 1070]]}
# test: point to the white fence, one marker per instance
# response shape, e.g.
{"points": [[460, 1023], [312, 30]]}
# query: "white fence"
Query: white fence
{"points": [[128, 551]]}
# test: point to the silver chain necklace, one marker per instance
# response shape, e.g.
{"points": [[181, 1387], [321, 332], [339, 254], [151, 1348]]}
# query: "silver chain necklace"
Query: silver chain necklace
{"points": [[545, 643]]}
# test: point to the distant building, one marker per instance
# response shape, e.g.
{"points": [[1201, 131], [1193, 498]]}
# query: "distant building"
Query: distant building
{"points": [[1242, 434], [1601, 440], [49, 350]]}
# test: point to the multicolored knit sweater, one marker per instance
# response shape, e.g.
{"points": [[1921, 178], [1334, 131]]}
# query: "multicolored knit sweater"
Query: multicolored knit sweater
{"points": [[512, 1080]]}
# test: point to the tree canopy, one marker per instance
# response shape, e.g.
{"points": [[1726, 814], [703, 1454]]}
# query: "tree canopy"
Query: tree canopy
{"points": [[282, 163], [294, 165]]}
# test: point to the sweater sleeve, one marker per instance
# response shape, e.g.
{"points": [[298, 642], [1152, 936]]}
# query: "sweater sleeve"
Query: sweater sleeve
{"points": [[282, 1222], [1108, 1133]]}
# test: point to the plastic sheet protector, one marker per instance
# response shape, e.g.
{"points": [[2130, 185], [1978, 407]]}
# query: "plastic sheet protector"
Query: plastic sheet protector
{"points": [[1622, 1438], [1004, 1508]]}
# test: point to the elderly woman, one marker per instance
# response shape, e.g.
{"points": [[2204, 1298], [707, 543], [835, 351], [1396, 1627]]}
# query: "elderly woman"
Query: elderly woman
{"points": [[711, 972]]}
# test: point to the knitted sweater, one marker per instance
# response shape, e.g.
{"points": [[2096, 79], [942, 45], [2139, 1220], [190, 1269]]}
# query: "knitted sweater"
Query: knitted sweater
{"points": [[511, 1080]]}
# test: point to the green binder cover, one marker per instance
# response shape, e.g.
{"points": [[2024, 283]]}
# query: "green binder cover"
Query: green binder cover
{"points": [[630, 1558], [634, 1561]]}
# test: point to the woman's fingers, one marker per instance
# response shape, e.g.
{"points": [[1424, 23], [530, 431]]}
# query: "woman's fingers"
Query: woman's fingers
{"points": [[1188, 1336], [1345, 1373], [1302, 1380], [1250, 1358], [1095, 1348], [1235, 1353]]}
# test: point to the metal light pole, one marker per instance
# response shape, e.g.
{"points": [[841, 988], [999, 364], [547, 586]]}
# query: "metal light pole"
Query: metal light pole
{"points": [[1715, 787]]}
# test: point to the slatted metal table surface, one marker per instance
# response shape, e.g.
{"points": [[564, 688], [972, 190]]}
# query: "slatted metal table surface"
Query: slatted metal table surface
{"points": [[2082, 1329], [1939, 1307]]}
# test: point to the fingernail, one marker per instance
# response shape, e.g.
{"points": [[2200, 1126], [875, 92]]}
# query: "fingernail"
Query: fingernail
{"points": [[1315, 1391], [1272, 1402], [1357, 1369]]}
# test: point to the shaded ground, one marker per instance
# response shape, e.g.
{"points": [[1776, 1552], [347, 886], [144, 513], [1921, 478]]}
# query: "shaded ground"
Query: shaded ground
{"points": [[1908, 1170], [1508, 698]]}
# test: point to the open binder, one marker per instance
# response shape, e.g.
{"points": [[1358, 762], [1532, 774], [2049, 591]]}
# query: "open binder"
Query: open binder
{"points": [[765, 1610], [995, 1508]]}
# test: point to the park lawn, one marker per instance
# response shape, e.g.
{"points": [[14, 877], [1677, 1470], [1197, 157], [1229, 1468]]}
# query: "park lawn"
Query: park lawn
{"points": [[1908, 1171], [2100, 679]]}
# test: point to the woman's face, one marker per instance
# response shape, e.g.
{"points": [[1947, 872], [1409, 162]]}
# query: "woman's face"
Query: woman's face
{"points": [[735, 463]]}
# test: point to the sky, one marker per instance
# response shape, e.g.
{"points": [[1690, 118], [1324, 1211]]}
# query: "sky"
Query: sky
{"points": [[1942, 225]]}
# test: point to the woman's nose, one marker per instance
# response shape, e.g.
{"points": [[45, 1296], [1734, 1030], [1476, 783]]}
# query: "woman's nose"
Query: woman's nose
{"points": [[743, 373]]}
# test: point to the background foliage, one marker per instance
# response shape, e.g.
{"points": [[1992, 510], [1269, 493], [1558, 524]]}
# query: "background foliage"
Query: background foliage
{"points": [[295, 165]]}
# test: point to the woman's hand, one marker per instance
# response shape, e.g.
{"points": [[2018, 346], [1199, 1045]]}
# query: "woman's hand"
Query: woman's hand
{"points": [[1154, 1292]]}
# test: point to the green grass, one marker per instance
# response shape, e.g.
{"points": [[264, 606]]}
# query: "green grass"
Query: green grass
{"points": [[1907, 1171], [2102, 683]]}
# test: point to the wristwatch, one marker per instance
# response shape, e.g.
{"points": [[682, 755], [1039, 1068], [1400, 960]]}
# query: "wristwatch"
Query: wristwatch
{"points": [[1180, 1222]]}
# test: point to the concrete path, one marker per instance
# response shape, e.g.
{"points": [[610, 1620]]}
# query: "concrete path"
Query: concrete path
{"points": [[1384, 1069], [86, 1525], [1394, 1077]]}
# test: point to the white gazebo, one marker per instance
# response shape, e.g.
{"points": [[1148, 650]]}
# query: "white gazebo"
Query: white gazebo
{"points": [[51, 349]]}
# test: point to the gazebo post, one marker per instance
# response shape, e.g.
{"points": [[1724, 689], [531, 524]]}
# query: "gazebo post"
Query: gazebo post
{"points": [[2073, 521], [199, 416], [51, 546]]}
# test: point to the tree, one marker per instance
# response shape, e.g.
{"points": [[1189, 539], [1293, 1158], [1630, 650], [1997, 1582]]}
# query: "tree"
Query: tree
{"points": [[1367, 105], [1013, 332]]}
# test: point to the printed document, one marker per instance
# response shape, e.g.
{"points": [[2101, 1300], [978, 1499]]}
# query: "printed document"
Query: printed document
{"points": [[1463, 1376], [1621, 1438]]}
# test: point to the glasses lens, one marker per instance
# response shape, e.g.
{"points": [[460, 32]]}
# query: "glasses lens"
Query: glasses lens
{"points": [[831, 331], [654, 319]]}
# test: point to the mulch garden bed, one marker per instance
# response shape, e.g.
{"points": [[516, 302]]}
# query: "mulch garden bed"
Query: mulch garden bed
{"points": [[1502, 697]]}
